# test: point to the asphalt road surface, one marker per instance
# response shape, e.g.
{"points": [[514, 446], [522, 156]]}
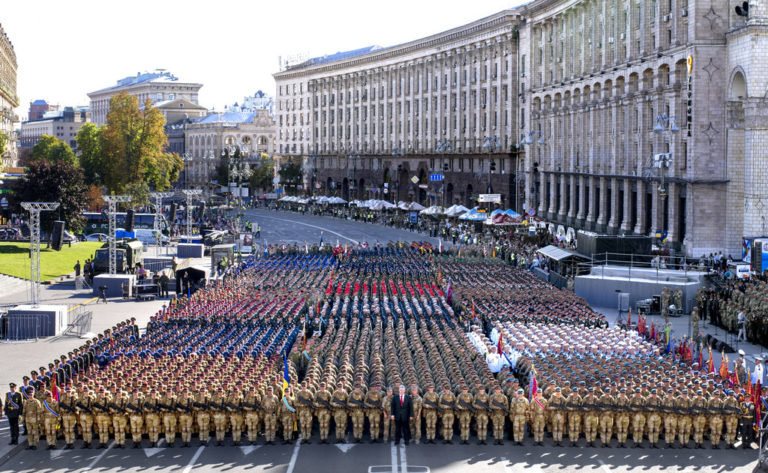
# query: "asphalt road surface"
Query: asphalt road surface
{"points": [[292, 227], [381, 458]]}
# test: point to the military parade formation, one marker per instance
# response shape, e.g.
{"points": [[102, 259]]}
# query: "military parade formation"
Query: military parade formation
{"points": [[317, 344]]}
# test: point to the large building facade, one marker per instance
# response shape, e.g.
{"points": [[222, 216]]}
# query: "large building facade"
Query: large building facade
{"points": [[9, 100], [587, 109], [369, 121], [157, 86], [63, 124], [205, 141]]}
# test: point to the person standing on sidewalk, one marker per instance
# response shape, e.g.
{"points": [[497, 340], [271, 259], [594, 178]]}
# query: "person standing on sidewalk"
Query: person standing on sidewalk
{"points": [[12, 407]]}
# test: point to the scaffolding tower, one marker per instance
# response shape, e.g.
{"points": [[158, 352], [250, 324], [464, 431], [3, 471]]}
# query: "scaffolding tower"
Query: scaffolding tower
{"points": [[190, 195], [159, 196], [113, 200], [34, 209]]}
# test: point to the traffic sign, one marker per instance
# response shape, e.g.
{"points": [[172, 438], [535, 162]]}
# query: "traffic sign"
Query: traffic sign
{"points": [[496, 198], [531, 212], [415, 180], [436, 177], [3, 202]]}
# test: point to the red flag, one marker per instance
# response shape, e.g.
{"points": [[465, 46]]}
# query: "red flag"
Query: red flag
{"points": [[711, 362], [501, 336], [653, 331], [55, 388]]}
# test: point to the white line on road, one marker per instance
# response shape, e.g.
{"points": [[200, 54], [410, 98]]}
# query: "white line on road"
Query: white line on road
{"points": [[98, 458], [604, 467], [403, 460], [295, 455], [394, 457], [310, 225], [193, 460]]}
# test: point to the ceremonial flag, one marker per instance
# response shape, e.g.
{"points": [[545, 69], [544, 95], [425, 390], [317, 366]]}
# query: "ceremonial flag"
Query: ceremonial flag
{"points": [[749, 383], [449, 293], [500, 344], [711, 362], [474, 314], [653, 331], [723, 366], [629, 317], [459, 250], [441, 246], [286, 374], [55, 388], [533, 386], [758, 405], [701, 358]]}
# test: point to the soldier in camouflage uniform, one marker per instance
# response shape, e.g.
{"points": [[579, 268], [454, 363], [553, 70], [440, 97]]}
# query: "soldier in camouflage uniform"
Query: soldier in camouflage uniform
{"points": [[499, 408], [269, 406], [287, 415], [339, 404], [385, 420], [430, 413], [573, 405], [304, 405], [653, 407], [373, 411], [201, 407], [251, 406], [622, 416], [670, 409], [519, 415], [606, 411], [356, 402], [464, 411], [418, 404], [447, 404], [323, 410]]}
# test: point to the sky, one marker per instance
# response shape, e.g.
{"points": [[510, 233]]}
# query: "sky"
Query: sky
{"points": [[66, 49]]}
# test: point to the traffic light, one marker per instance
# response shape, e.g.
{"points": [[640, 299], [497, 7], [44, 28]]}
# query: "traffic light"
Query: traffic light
{"points": [[445, 167], [493, 166]]}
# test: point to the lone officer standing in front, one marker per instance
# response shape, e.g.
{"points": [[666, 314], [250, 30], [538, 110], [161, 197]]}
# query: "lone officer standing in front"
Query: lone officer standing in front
{"points": [[12, 409]]}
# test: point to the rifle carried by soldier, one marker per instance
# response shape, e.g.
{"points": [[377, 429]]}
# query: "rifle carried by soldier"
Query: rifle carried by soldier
{"points": [[117, 408], [467, 406], [501, 406]]}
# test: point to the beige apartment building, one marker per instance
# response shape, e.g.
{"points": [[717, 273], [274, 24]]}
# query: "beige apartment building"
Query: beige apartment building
{"points": [[8, 99], [253, 132], [586, 107], [157, 86]]}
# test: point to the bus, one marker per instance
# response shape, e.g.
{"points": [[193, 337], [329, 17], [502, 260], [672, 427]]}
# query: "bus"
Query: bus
{"points": [[98, 222]]}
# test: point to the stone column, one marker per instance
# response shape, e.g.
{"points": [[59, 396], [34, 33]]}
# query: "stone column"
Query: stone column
{"points": [[561, 213], [582, 211], [641, 210], [603, 207], [552, 209], [626, 224], [591, 217], [542, 193], [674, 195], [613, 223], [572, 207], [655, 210]]}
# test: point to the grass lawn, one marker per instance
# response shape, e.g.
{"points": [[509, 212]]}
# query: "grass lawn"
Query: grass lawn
{"points": [[14, 259]]}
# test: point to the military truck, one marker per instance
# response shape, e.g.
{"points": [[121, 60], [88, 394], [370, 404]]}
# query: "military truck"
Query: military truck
{"points": [[128, 255]]}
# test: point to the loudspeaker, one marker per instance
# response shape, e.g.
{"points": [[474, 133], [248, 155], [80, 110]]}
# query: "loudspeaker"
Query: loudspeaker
{"points": [[130, 220], [172, 214], [58, 235], [202, 209]]}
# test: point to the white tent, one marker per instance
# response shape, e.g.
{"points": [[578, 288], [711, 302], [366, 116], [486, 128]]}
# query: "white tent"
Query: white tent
{"points": [[415, 206], [456, 210], [433, 210], [336, 200]]}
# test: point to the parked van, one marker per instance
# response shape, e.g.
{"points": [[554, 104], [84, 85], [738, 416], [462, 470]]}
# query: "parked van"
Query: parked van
{"points": [[150, 237]]}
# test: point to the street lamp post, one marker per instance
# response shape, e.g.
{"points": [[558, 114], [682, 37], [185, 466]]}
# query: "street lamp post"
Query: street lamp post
{"points": [[490, 143], [530, 140], [662, 161], [442, 148]]}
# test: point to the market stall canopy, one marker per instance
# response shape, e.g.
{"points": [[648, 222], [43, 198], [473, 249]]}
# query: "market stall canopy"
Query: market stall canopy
{"points": [[336, 200], [433, 210], [474, 215], [456, 210]]}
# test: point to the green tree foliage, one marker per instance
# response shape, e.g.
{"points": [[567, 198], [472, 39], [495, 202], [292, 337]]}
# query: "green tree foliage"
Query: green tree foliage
{"points": [[56, 181], [52, 149], [222, 170], [3, 141], [133, 147], [290, 173], [262, 175], [89, 146]]}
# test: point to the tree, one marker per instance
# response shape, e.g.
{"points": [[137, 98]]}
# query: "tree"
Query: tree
{"points": [[290, 172], [57, 181], [133, 147], [263, 174], [52, 149], [3, 141], [222, 170], [89, 147]]}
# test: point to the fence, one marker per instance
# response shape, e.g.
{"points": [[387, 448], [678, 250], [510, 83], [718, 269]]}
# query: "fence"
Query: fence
{"points": [[643, 264], [31, 326], [78, 321]]}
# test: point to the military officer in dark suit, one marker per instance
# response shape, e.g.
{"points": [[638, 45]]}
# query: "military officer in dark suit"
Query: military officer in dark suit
{"points": [[402, 414], [12, 407]]}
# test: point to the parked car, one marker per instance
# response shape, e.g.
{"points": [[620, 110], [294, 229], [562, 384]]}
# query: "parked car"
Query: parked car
{"points": [[96, 237]]}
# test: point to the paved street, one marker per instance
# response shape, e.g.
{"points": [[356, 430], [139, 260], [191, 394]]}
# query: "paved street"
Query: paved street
{"points": [[378, 458], [381, 458]]}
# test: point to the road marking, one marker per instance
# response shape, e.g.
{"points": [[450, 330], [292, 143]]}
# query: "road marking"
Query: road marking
{"points": [[98, 458], [152, 451], [84, 303], [57, 453], [193, 460], [295, 455], [403, 460], [604, 467], [394, 457], [313, 226], [247, 449], [345, 447]]}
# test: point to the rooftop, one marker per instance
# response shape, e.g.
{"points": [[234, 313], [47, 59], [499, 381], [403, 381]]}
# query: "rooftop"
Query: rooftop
{"points": [[329, 58], [228, 117], [158, 75]]}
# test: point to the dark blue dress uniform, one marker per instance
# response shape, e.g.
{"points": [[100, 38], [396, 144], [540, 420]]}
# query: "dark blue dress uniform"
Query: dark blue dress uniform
{"points": [[12, 406]]}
